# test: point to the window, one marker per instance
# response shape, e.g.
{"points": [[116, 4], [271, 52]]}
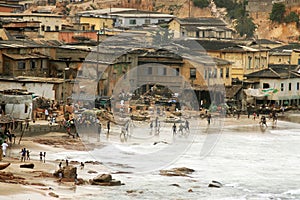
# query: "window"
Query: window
{"points": [[32, 64], [93, 27], [192, 73], [26, 109], [132, 21], [21, 65], [205, 74], [149, 70], [227, 72], [215, 73], [221, 73], [282, 87], [161, 21], [48, 28], [249, 62], [290, 86], [147, 21], [298, 86], [43, 27], [162, 71], [57, 28], [266, 85], [177, 71]]}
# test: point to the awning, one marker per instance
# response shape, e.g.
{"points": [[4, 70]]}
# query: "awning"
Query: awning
{"points": [[260, 92]]}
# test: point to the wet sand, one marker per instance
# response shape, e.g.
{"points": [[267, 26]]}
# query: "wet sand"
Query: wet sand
{"points": [[39, 183]]}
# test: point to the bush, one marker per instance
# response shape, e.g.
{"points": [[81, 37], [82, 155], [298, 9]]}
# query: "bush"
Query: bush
{"points": [[277, 14], [292, 17], [201, 3]]}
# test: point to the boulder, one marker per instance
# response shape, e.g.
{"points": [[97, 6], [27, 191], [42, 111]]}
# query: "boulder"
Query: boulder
{"points": [[182, 171], [105, 180], [67, 172]]}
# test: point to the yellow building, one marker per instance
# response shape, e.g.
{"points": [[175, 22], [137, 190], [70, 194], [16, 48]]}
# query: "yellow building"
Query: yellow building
{"points": [[97, 23]]}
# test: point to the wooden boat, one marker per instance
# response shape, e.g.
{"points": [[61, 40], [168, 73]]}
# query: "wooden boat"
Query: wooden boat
{"points": [[4, 165]]}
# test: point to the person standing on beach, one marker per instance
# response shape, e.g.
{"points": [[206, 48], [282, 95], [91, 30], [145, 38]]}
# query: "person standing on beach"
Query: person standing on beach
{"points": [[46, 114], [208, 119], [187, 125], [44, 157], [23, 154], [4, 147], [27, 155], [108, 126], [254, 115], [174, 129], [41, 156]]}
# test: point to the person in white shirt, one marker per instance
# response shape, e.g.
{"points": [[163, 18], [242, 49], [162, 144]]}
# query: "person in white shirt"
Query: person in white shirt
{"points": [[4, 147]]}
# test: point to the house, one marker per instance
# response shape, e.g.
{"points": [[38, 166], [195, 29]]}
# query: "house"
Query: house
{"points": [[245, 58], [11, 6], [285, 54], [20, 29], [203, 27], [126, 64], [277, 85], [121, 18], [20, 57], [17, 103], [48, 22]]}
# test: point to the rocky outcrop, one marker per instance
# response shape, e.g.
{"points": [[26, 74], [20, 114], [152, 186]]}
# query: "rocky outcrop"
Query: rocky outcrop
{"points": [[67, 172], [182, 171], [105, 180]]}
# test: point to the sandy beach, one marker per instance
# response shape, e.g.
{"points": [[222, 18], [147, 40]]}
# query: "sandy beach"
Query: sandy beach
{"points": [[39, 182]]}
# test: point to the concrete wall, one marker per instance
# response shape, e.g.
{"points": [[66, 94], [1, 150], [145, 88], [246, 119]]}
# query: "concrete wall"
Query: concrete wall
{"points": [[125, 22], [42, 89], [97, 22], [286, 94]]}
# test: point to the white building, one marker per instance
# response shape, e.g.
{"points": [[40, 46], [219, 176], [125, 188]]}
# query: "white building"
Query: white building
{"points": [[278, 85]]}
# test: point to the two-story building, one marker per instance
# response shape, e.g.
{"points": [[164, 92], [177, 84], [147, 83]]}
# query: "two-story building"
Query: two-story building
{"points": [[203, 27], [120, 18], [277, 85], [245, 59]]}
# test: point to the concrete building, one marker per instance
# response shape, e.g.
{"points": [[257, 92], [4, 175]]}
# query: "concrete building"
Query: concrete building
{"points": [[203, 27], [276, 85], [120, 18]]}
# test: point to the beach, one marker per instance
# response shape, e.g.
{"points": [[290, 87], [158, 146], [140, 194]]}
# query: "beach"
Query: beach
{"points": [[242, 155]]}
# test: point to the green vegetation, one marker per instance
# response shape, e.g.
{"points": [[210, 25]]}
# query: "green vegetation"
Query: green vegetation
{"points": [[237, 10], [277, 14], [201, 3], [292, 17]]}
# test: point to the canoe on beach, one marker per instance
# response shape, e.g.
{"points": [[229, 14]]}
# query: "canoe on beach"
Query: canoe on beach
{"points": [[4, 165]]}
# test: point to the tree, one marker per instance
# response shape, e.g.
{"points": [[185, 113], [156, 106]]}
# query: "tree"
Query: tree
{"points": [[292, 17], [245, 26], [277, 14], [201, 3]]}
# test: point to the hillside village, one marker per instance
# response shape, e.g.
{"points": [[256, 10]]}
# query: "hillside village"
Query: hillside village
{"points": [[161, 98], [74, 52]]}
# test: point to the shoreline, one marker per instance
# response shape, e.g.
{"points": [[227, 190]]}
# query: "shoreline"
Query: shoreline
{"points": [[38, 182]]}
